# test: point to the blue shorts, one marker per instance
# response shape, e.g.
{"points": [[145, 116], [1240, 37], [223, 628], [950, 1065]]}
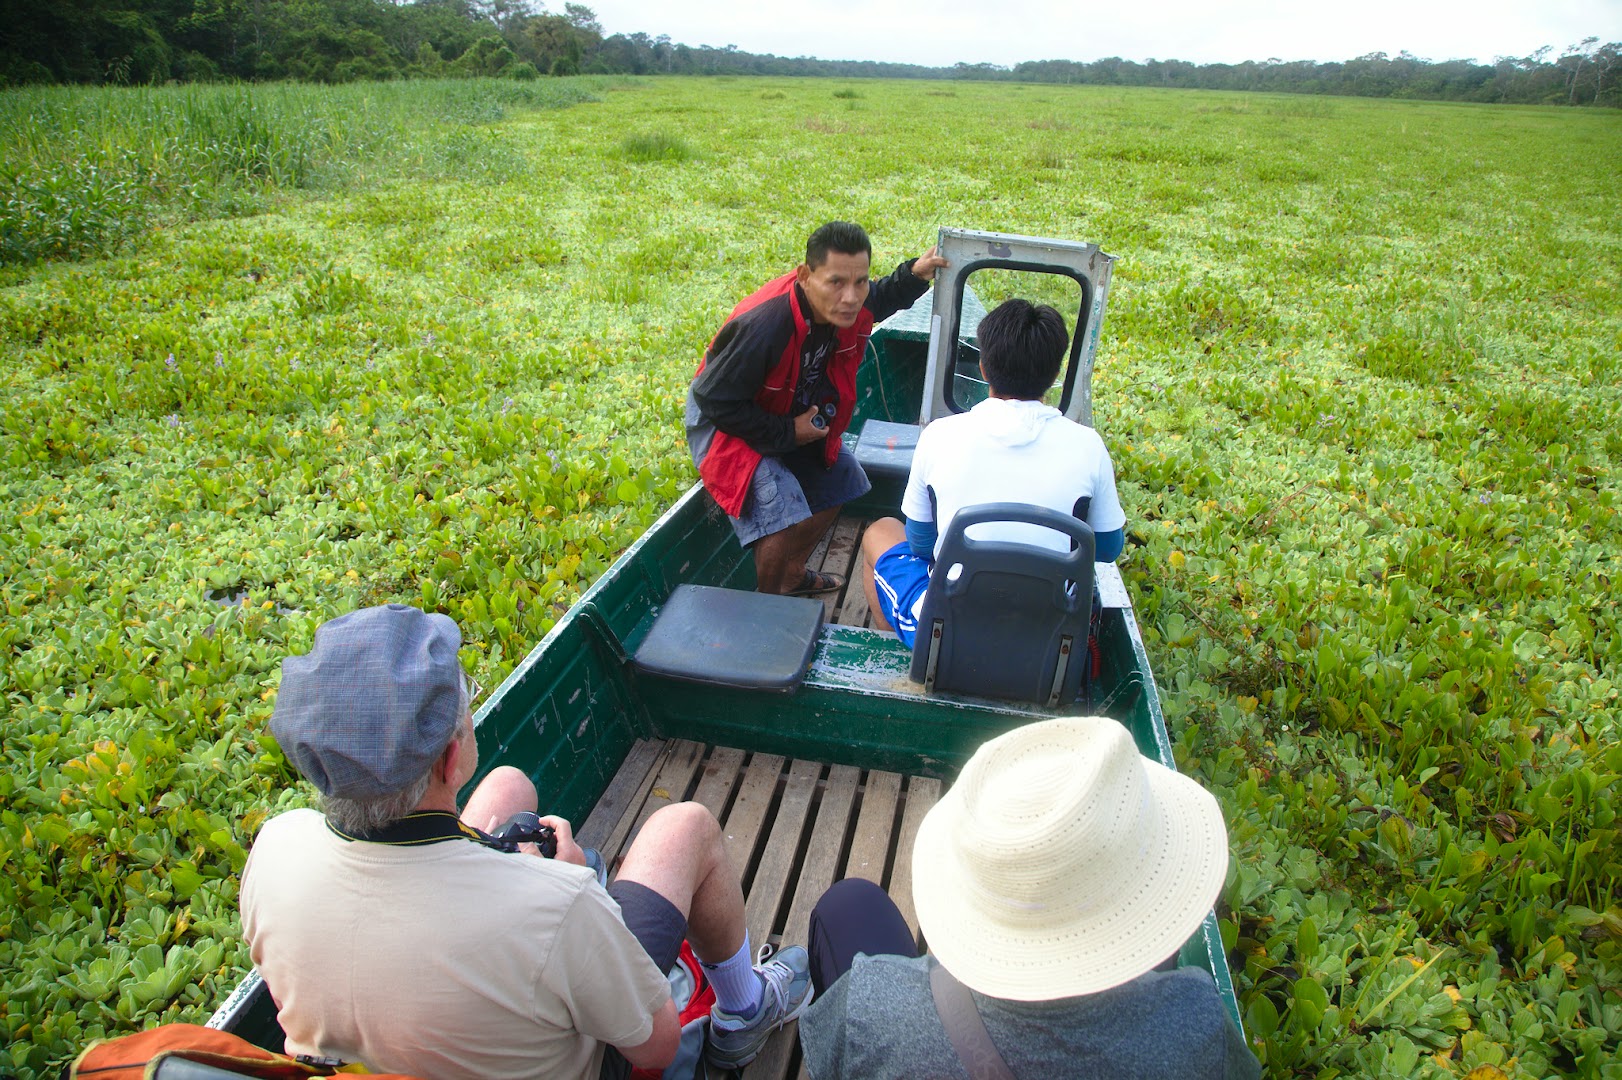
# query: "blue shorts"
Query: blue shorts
{"points": [[657, 924], [660, 928], [901, 578], [786, 490]]}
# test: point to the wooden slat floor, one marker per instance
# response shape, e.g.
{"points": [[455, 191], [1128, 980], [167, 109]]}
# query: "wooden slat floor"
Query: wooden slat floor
{"points": [[840, 552], [793, 827]]}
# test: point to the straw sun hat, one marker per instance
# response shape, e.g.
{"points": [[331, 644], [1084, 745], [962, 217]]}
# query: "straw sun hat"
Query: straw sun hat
{"points": [[1063, 862]]}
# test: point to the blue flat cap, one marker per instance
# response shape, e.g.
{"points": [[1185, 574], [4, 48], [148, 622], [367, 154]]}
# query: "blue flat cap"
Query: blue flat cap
{"points": [[365, 713]]}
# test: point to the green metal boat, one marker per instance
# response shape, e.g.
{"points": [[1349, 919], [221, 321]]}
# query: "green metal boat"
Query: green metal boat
{"points": [[828, 775]]}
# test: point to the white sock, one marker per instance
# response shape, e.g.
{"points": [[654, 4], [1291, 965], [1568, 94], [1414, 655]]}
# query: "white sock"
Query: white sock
{"points": [[738, 989]]}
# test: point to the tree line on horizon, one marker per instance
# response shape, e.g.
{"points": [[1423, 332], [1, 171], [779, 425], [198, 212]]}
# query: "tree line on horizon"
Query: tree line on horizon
{"points": [[139, 42]]}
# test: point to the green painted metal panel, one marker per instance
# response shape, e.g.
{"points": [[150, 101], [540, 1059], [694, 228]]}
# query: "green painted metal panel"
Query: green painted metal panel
{"points": [[890, 382]]}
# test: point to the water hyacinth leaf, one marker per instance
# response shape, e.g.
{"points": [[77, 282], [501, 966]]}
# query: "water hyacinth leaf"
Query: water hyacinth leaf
{"points": [[1310, 1003], [1306, 940], [1566, 1009], [1404, 1057], [1261, 1017], [185, 879]]}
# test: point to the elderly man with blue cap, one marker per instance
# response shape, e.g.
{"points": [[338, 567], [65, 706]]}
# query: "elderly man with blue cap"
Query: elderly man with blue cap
{"points": [[393, 930]]}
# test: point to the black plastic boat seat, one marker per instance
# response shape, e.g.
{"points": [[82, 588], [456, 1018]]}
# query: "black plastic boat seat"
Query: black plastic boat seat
{"points": [[885, 449], [1006, 619], [728, 637]]}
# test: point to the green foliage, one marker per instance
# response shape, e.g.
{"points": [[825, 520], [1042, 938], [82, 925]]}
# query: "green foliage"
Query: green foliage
{"points": [[1359, 387], [656, 146], [489, 56], [85, 169], [82, 209]]}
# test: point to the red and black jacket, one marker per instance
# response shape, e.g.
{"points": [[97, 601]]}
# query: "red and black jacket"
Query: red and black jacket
{"points": [[746, 382]]}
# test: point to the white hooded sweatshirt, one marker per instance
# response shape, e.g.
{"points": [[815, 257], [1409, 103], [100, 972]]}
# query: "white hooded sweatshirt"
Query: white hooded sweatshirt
{"points": [[1011, 451]]}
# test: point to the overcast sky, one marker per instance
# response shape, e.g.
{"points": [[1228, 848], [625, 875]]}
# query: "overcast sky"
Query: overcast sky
{"points": [[946, 32]]}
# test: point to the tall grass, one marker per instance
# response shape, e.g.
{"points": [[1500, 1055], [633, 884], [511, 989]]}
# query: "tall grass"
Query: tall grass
{"points": [[656, 146], [86, 168]]}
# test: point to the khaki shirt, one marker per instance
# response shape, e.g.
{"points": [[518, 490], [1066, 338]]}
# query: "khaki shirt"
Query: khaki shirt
{"points": [[442, 960]]}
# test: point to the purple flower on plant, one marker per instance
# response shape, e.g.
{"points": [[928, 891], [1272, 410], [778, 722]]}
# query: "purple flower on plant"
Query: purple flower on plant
{"points": [[219, 360], [505, 405], [1484, 499], [171, 363], [173, 420]]}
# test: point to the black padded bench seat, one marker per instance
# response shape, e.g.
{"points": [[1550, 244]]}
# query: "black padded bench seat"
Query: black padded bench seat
{"points": [[885, 449], [728, 637]]}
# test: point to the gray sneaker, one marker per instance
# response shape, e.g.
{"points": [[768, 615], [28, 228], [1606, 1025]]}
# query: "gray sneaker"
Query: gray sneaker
{"points": [[785, 993]]}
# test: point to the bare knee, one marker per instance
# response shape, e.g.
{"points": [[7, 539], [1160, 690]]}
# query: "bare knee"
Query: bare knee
{"points": [[512, 784], [677, 851], [505, 791], [881, 536], [687, 825]]}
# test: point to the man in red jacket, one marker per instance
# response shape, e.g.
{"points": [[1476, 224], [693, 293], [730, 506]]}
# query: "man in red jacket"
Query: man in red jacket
{"points": [[775, 392]]}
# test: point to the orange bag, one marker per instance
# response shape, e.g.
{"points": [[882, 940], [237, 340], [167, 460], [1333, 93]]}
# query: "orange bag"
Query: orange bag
{"points": [[137, 1056]]}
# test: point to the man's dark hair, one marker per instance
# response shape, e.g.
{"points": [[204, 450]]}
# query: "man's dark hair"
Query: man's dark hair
{"points": [[1022, 348], [840, 236]]}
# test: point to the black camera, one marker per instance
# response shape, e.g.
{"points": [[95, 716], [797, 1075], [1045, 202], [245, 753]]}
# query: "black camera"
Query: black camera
{"points": [[525, 828]]}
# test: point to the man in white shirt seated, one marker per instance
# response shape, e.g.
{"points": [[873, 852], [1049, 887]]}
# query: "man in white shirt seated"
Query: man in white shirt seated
{"points": [[1009, 448], [393, 930]]}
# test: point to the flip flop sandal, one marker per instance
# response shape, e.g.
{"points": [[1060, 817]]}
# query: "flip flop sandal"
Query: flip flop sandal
{"points": [[814, 583]]}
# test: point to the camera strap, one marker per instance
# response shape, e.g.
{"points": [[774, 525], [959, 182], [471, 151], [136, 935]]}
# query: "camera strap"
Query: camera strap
{"points": [[965, 1029], [419, 828]]}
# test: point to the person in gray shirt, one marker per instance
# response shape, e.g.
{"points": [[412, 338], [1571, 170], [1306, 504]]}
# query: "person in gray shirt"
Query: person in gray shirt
{"points": [[1054, 882]]}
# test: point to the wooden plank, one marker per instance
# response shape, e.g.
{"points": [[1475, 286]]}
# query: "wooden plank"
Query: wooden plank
{"points": [[745, 820], [820, 552], [668, 785], [775, 869], [922, 793], [870, 849], [816, 874], [853, 611], [671, 784], [842, 549], [836, 559], [822, 857], [721, 774], [629, 786], [773, 1062]]}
